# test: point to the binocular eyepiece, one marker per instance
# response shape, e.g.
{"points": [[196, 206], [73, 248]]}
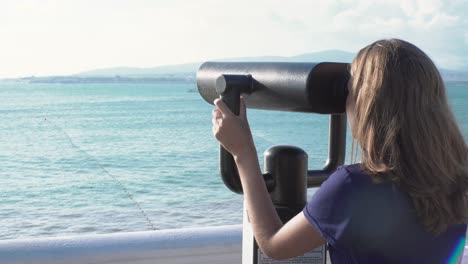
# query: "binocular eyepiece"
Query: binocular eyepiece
{"points": [[298, 87]]}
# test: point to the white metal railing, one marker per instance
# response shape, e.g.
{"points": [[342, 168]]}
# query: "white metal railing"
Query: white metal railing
{"points": [[465, 256], [221, 244]]}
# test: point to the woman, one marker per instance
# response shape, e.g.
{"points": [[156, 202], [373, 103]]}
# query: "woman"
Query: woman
{"points": [[405, 202]]}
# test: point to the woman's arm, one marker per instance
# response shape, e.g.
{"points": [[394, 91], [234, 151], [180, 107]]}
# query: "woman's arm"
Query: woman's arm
{"points": [[275, 239]]}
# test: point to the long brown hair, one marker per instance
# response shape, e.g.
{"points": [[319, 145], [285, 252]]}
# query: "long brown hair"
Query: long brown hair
{"points": [[407, 132]]}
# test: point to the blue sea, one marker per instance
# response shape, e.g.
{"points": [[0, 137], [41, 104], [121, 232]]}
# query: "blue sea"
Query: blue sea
{"points": [[103, 158]]}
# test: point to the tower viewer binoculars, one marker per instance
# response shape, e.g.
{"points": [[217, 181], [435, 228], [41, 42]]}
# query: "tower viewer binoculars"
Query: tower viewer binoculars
{"points": [[282, 86], [299, 87]]}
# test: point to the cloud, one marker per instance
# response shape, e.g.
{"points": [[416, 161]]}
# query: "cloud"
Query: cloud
{"points": [[439, 28]]}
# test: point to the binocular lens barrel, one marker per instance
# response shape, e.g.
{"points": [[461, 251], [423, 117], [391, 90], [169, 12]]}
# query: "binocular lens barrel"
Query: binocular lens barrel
{"points": [[283, 86]]}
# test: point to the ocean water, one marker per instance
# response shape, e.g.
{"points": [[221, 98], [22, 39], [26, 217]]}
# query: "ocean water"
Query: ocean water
{"points": [[103, 158]]}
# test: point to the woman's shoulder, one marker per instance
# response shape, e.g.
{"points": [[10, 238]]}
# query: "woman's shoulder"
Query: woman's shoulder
{"points": [[352, 173], [345, 180], [354, 178], [355, 168]]}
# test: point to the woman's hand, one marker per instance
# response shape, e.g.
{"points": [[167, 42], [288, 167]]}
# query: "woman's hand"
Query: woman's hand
{"points": [[232, 131]]}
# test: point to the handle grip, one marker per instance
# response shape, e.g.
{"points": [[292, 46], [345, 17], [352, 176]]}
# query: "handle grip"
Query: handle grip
{"points": [[230, 87]]}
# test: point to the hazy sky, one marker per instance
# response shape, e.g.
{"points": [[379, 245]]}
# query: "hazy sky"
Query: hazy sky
{"points": [[54, 37]]}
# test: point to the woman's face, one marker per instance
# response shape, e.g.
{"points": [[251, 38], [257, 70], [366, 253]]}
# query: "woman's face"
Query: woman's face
{"points": [[350, 104]]}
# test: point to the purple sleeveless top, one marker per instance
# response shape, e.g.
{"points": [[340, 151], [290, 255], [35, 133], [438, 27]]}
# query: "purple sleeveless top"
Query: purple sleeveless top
{"points": [[364, 222]]}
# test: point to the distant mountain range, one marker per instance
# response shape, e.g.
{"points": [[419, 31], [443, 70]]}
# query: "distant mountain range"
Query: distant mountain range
{"points": [[181, 69], [187, 72]]}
